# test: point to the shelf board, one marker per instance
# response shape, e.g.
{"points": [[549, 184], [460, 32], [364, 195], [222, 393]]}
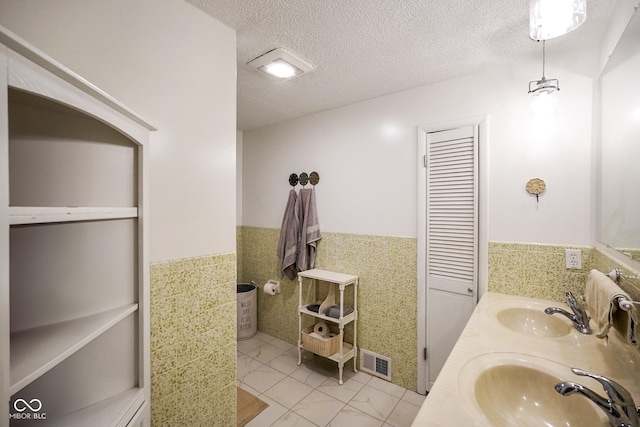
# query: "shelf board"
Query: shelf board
{"points": [[347, 353], [345, 320], [329, 276], [36, 351], [114, 411], [44, 214]]}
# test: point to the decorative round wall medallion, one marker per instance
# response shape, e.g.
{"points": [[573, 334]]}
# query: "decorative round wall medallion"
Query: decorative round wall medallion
{"points": [[536, 186], [314, 178], [304, 179], [293, 180]]}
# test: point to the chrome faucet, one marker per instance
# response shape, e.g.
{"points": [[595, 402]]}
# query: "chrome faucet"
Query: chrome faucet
{"points": [[619, 407], [579, 317]]}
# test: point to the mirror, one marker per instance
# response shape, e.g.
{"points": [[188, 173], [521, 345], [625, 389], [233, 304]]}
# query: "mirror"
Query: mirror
{"points": [[618, 206]]}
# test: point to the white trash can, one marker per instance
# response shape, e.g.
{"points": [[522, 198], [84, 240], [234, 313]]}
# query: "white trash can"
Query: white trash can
{"points": [[247, 294]]}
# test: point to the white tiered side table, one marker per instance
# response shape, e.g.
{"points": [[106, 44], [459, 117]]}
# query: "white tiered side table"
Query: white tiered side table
{"points": [[346, 351]]}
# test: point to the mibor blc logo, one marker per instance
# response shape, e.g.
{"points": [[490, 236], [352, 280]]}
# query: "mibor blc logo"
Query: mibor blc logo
{"points": [[27, 410]]}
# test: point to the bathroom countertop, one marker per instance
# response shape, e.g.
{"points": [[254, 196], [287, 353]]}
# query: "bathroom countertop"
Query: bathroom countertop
{"points": [[451, 401]]}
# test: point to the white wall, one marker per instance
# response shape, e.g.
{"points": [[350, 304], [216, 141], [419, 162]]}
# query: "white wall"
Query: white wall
{"points": [[620, 15], [239, 177], [176, 67], [366, 157]]}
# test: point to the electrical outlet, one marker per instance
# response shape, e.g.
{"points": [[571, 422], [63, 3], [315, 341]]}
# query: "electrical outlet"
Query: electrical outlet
{"points": [[573, 259]]}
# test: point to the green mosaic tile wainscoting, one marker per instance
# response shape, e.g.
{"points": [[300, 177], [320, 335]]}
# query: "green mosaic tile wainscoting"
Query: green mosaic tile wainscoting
{"points": [[387, 296], [193, 341], [535, 270], [539, 271]]}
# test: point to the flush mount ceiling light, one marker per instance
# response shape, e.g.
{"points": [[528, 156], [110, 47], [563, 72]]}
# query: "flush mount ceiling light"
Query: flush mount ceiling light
{"points": [[553, 18], [281, 64], [544, 85]]}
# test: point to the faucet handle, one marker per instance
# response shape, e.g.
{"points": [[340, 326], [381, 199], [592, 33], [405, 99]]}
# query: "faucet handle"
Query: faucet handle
{"points": [[615, 391], [576, 306]]}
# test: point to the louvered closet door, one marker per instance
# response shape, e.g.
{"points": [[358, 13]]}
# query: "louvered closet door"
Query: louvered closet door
{"points": [[452, 239]]}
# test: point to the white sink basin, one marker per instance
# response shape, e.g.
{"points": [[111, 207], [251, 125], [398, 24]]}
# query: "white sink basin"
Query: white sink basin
{"points": [[504, 368], [512, 389], [534, 322]]}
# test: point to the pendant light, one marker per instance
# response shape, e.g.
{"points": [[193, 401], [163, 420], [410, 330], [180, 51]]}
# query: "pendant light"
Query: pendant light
{"points": [[553, 18], [549, 19], [544, 85]]}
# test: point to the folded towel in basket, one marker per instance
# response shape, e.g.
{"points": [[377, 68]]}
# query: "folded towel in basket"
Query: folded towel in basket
{"points": [[314, 307], [334, 311]]}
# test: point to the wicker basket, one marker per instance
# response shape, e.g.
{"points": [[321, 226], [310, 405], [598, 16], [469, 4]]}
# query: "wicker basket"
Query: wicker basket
{"points": [[321, 346]]}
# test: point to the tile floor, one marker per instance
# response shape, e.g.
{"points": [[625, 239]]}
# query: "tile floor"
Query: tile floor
{"points": [[309, 395]]}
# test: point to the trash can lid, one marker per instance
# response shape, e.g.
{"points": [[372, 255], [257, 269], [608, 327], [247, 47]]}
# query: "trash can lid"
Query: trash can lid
{"points": [[245, 287]]}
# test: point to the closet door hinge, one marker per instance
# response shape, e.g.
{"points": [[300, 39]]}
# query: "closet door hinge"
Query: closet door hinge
{"points": [[424, 353], [424, 160]]}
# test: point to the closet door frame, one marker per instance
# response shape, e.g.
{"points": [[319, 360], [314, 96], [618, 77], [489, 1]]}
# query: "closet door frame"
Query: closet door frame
{"points": [[482, 121], [4, 238]]}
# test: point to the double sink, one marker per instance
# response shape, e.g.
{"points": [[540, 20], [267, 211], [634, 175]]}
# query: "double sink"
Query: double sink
{"points": [[508, 360]]}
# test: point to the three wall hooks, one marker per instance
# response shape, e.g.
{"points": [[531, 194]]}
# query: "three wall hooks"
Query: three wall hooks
{"points": [[303, 179]]}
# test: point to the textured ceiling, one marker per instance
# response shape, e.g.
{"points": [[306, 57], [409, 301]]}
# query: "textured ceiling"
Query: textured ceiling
{"points": [[362, 49]]}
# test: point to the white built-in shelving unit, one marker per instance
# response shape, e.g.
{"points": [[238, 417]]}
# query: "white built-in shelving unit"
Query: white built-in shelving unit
{"points": [[345, 351], [74, 273]]}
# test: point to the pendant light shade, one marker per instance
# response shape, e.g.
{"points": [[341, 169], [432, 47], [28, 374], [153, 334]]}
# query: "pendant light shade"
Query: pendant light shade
{"points": [[544, 85], [553, 18]]}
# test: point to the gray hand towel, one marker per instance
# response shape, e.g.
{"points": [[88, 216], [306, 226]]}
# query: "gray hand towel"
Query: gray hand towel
{"points": [[310, 230], [290, 236], [334, 311]]}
